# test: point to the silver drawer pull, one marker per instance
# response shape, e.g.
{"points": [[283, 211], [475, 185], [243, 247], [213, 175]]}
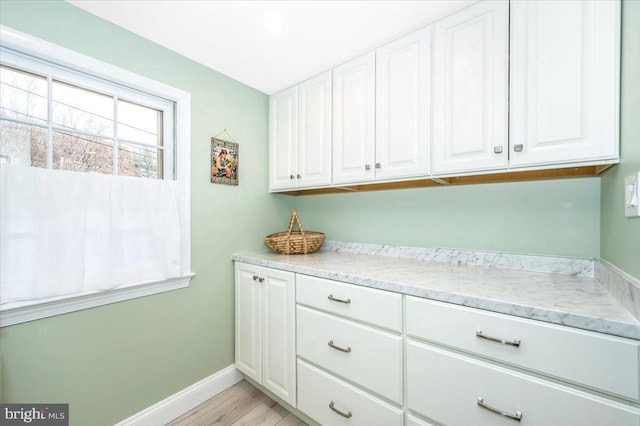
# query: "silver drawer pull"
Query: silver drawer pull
{"points": [[346, 415], [338, 347], [338, 300], [517, 416], [513, 342]]}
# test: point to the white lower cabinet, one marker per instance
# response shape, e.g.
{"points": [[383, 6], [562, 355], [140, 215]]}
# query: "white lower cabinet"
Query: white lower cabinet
{"points": [[331, 401], [265, 328], [350, 353], [364, 357], [610, 366], [453, 389]]}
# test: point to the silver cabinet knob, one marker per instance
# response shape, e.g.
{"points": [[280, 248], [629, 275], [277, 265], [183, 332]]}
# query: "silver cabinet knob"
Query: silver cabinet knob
{"points": [[518, 147], [299, 177], [497, 149], [255, 277], [378, 165], [291, 177], [367, 166]]}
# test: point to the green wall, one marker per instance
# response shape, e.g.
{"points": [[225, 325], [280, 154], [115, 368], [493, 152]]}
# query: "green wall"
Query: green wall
{"points": [[113, 361], [620, 235], [554, 217]]}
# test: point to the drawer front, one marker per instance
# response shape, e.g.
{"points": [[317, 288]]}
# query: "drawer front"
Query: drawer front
{"points": [[604, 362], [377, 307], [414, 421], [366, 356], [318, 391], [445, 387]]}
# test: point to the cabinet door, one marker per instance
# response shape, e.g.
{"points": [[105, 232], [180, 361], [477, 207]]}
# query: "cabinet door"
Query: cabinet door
{"points": [[470, 89], [564, 81], [278, 325], [354, 120], [248, 321], [403, 106], [283, 139], [314, 140]]}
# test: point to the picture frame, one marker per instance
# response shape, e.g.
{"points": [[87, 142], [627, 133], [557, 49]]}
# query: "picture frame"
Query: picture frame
{"points": [[224, 162]]}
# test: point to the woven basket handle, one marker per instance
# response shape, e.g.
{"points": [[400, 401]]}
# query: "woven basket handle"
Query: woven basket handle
{"points": [[294, 216]]}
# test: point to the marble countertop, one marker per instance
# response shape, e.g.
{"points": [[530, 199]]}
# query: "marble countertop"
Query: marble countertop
{"points": [[573, 301]]}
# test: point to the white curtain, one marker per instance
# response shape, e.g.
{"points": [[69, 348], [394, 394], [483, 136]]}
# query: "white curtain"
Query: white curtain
{"points": [[66, 233]]}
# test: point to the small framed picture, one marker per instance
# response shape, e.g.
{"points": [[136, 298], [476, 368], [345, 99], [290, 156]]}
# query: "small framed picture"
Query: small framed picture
{"points": [[224, 162]]}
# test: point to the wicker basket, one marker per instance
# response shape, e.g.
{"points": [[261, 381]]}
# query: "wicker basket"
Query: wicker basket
{"points": [[294, 242]]}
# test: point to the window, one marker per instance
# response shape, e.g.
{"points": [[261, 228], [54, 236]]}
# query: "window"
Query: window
{"points": [[89, 125], [95, 189]]}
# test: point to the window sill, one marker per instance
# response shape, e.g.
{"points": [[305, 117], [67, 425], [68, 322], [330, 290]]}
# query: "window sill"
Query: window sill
{"points": [[17, 313]]}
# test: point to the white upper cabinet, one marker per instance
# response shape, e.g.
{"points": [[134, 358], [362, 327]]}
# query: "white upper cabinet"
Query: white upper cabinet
{"points": [[565, 62], [496, 87], [283, 139], [403, 106], [354, 120], [470, 89], [300, 135], [314, 137]]}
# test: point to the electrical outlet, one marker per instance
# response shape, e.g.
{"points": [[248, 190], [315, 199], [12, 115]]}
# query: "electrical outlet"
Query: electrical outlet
{"points": [[632, 195]]}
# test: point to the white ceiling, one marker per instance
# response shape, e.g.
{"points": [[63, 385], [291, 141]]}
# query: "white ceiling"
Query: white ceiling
{"points": [[228, 36]]}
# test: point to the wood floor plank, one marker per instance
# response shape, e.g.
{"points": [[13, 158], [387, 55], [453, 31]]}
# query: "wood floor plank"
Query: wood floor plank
{"points": [[189, 417], [280, 410], [231, 410], [262, 415], [291, 420], [241, 404]]}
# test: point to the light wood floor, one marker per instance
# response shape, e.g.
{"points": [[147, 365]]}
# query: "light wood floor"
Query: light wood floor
{"points": [[241, 404]]}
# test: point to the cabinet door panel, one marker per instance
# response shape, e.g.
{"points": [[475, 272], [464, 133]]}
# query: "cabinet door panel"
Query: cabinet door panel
{"points": [[470, 101], [403, 107], [354, 120], [283, 139], [278, 324], [248, 322], [564, 81], [314, 141]]}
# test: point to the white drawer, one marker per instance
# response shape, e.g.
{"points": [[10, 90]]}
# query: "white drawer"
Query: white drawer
{"points": [[445, 387], [604, 362], [377, 307], [414, 421], [374, 357], [318, 390]]}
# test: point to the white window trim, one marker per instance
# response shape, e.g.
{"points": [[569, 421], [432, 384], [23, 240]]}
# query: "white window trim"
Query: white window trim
{"points": [[41, 49]]}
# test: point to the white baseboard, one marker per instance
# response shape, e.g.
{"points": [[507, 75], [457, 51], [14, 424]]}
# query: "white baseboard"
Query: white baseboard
{"points": [[179, 403]]}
